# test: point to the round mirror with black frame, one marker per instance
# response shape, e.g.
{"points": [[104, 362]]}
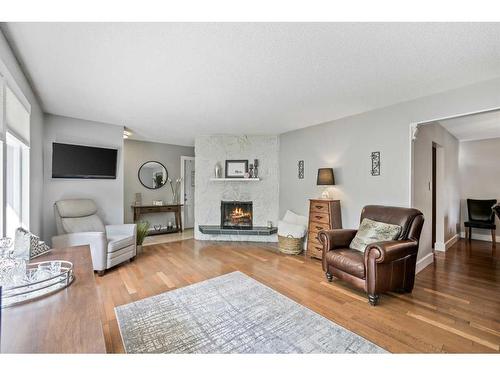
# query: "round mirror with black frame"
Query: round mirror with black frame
{"points": [[152, 175]]}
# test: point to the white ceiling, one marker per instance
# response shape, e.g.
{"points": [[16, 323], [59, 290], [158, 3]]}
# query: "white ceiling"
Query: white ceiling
{"points": [[474, 127], [169, 82]]}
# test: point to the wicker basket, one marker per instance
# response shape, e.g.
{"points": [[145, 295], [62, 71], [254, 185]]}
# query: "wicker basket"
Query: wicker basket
{"points": [[290, 245]]}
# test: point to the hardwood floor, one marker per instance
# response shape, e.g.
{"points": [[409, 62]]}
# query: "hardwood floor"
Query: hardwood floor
{"points": [[455, 306]]}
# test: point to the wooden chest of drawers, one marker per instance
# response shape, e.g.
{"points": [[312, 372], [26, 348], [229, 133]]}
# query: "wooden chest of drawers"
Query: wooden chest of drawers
{"points": [[323, 214]]}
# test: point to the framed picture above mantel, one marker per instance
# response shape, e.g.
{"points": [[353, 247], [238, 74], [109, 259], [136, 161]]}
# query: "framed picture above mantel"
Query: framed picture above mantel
{"points": [[236, 168]]}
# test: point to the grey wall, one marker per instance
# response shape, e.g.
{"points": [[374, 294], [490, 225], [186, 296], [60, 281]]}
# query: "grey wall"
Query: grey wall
{"points": [[208, 194], [15, 78], [448, 185], [479, 177], [135, 154], [108, 194], [346, 144]]}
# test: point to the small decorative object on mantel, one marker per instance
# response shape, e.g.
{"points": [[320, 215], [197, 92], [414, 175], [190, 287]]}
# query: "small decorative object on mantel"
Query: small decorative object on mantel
{"points": [[157, 203], [236, 168], [255, 168], [376, 163], [325, 178], [217, 170], [269, 224], [301, 169], [250, 171]]}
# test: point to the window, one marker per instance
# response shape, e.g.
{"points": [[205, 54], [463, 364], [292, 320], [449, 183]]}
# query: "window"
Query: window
{"points": [[17, 185], [14, 156]]}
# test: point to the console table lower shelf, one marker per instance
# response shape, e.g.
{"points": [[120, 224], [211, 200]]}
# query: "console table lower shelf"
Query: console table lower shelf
{"points": [[255, 231], [150, 209]]}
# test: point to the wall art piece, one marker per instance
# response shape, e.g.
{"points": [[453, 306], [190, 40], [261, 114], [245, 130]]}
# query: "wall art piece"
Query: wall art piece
{"points": [[236, 168], [301, 169], [376, 163]]}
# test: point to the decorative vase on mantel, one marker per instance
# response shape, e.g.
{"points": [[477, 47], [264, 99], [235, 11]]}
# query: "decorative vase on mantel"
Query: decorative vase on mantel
{"points": [[217, 170]]}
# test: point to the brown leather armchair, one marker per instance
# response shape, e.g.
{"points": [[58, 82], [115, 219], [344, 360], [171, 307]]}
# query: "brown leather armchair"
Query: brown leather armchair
{"points": [[384, 266]]}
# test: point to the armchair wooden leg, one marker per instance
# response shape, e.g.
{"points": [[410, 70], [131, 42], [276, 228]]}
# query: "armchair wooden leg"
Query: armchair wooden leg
{"points": [[470, 234], [329, 277], [493, 238], [373, 299]]}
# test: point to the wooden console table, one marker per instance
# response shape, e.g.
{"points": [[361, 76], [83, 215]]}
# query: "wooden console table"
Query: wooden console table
{"points": [[149, 209], [68, 321]]}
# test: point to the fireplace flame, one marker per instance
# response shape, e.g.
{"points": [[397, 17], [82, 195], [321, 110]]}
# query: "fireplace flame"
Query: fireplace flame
{"points": [[239, 213]]}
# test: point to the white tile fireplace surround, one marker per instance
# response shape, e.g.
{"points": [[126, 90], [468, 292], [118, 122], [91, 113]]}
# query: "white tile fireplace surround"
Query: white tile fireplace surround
{"points": [[208, 193]]}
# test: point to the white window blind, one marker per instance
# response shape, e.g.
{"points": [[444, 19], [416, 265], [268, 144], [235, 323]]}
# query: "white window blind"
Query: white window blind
{"points": [[17, 117]]}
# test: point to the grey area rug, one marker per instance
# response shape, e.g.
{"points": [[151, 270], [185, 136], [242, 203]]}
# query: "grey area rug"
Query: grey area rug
{"points": [[232, 313]]}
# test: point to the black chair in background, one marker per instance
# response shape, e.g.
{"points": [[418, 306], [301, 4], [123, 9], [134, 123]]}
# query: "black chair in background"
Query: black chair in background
{"points": [[481, 215]]}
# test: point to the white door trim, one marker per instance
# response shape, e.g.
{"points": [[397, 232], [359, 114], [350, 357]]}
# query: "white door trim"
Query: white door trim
{"points": [[183, 159]]}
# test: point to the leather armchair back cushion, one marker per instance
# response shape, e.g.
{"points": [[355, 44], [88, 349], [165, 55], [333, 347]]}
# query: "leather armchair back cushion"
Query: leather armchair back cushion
{"points": [[77, 215], [76, 207], [90, 223], [371, 231], [402, 216], [481, 210]]}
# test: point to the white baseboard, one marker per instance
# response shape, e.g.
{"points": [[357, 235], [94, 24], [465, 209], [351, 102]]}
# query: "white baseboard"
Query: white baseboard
{"points": [[443, 246], [424, 262], [480, 237]]}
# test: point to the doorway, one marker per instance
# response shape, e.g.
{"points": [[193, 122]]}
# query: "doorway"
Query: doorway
{"points": [[187, 190]]}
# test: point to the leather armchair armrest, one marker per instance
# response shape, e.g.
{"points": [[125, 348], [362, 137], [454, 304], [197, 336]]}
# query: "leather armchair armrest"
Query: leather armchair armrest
{"points": [[389, 251], [336, 238], [333, 239]]}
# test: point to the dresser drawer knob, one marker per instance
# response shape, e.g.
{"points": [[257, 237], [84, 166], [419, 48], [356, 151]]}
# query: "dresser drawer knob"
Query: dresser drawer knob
{"points": [[318, 217], [319, 207], [319, 228]]}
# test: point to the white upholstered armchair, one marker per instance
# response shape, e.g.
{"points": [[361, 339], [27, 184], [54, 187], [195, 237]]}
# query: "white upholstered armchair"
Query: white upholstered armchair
{"points": [[78, 224]]}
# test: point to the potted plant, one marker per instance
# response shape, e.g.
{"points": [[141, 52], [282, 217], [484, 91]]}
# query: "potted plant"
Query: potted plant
{"points": [[142, 232]]}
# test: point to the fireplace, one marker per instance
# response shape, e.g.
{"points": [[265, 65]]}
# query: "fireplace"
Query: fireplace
{"points": [[236, 215]]}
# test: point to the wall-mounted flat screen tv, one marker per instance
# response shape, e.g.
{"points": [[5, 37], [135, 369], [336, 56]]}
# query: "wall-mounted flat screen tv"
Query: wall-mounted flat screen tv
{"points": [[74, 161]]}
